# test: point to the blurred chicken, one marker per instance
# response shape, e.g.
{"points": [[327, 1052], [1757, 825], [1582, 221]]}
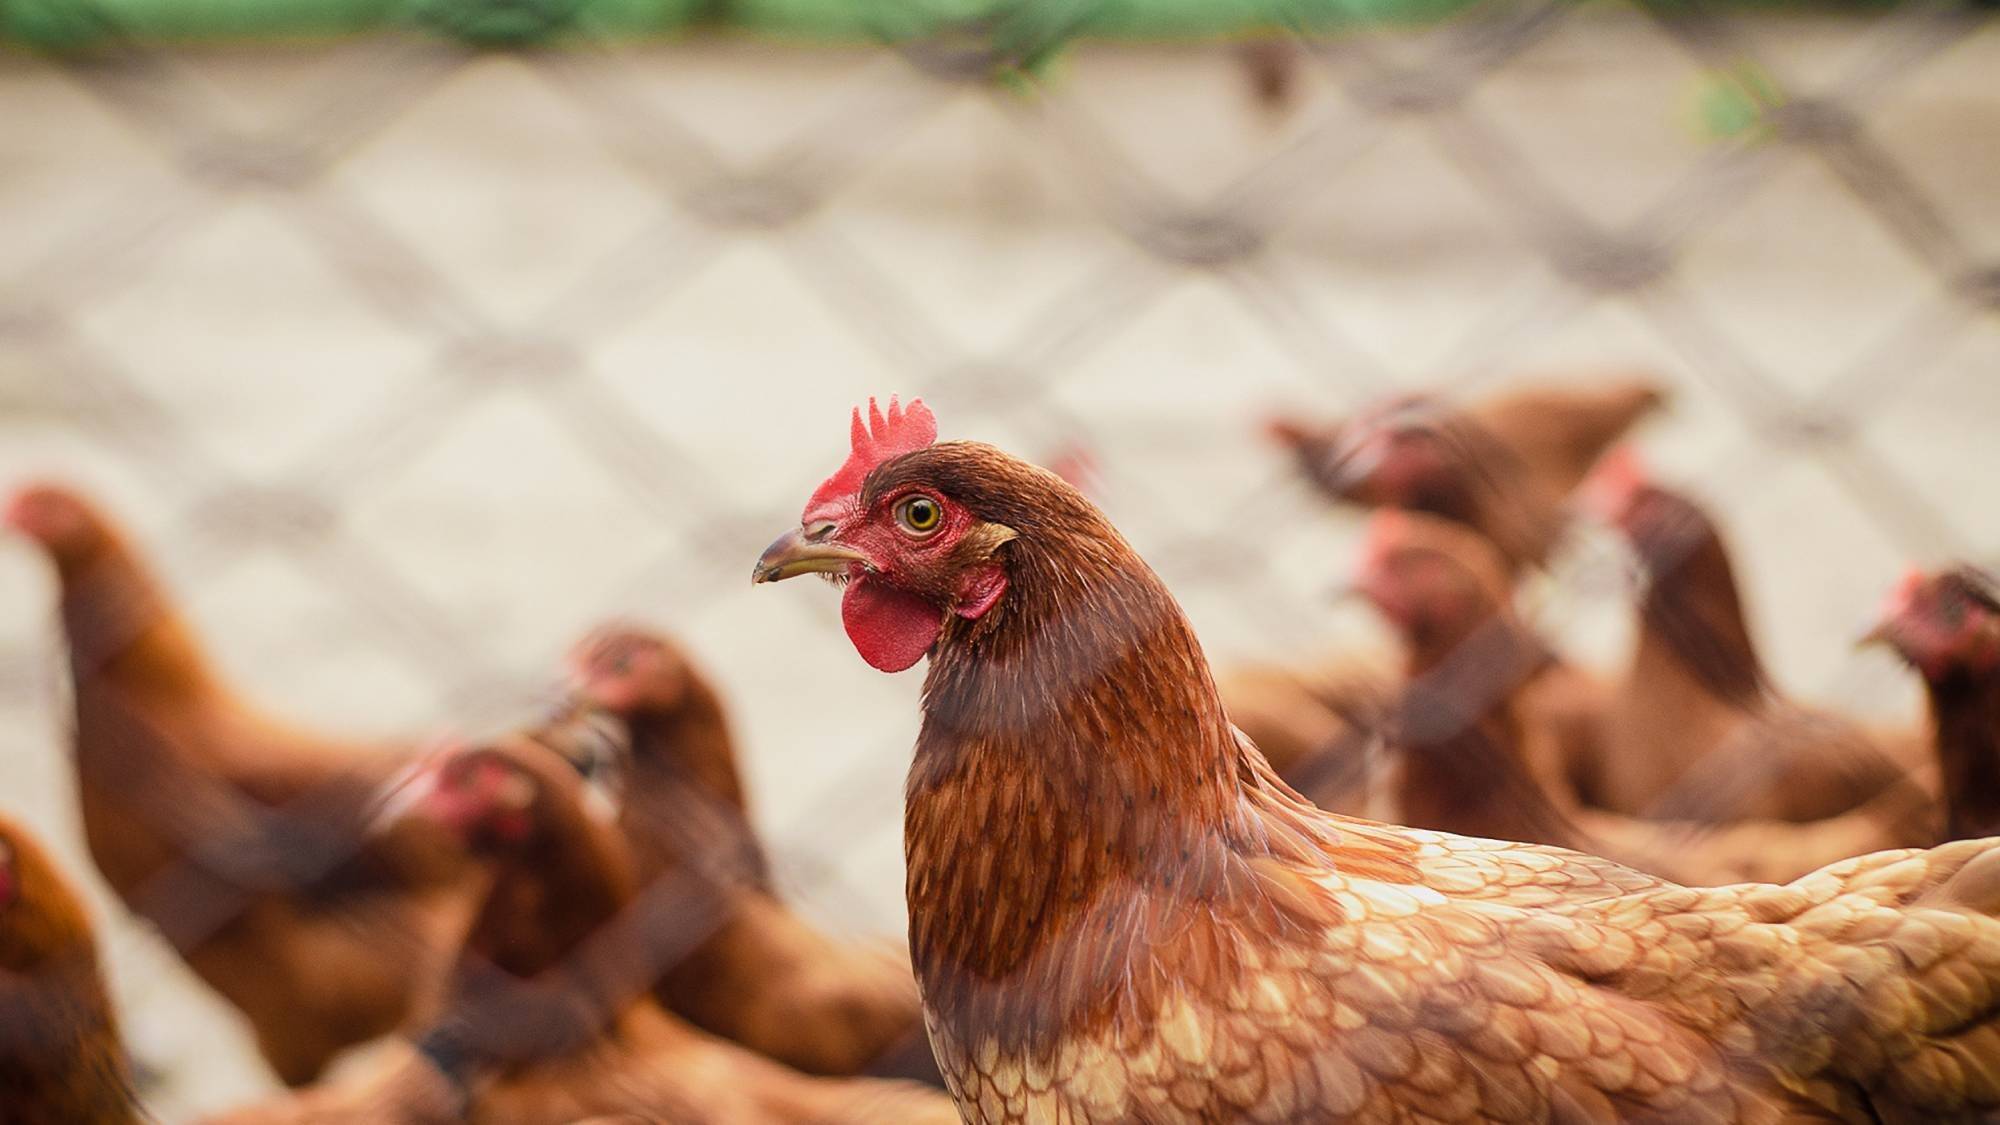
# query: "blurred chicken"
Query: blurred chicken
{"points": [[1118, 913], [1493, 725], [548, 1018], [1491, 721], [748, 967], [1504, 466], [1947, 626], [1699, 731], [240, 837], [61, 1060], [681, 797]]}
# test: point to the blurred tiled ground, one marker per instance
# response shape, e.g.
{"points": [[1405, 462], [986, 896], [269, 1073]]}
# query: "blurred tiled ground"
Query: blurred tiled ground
{"points": [[546, 338]]}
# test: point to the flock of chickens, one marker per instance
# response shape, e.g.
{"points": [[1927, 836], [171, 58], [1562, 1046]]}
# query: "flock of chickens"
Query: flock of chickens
{"points": [[1138, 892]]}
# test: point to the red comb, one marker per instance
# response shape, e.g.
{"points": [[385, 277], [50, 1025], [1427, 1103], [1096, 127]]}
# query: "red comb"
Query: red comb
{"points": [[1385, 528], [43, 511], [18, 512], [1903, 594], [1617, 477], [902, 430], [1370, 576], [1077, 465], [1621, 468]]}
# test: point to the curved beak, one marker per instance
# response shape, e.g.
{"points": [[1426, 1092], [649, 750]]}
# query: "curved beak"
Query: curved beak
{"points": [[794, 553], [1900, 602], [1883, 633]]}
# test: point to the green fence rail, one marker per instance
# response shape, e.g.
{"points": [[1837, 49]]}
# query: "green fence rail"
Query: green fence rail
{"points": [[1009, 29]]}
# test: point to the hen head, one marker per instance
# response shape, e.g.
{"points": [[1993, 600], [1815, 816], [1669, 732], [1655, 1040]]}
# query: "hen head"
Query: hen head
{"points": [[499, 799], [1397, 453], [66, 525], [1436, 581], [627, 670], [1944, 624], [1664, 528], [561, 867], [910, 529]]}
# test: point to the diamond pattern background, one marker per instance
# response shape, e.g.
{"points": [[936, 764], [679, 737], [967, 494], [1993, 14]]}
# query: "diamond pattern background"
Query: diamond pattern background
{"points": [[410, 363]]}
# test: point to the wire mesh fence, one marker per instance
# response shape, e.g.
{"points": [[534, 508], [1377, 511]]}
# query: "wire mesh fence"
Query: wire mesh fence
{"points": [[409, 361]]}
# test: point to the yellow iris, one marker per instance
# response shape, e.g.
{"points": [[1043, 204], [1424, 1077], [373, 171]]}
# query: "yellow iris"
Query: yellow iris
{"points": [[920, 513]]}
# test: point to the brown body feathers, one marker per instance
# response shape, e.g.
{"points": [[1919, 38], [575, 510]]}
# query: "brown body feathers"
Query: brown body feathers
{"points": [[549, 1017], [61, 1060], [741, 963], [239, 836]]}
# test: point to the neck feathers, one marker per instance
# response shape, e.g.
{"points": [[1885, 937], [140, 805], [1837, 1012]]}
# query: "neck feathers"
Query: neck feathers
{"points": [[685, 757], [61, 1058], [1076, 781], [122, 626], [1463, 767], [1693, 608], [547, 900], [1965, 706], [552, 958], [1087, 677]]}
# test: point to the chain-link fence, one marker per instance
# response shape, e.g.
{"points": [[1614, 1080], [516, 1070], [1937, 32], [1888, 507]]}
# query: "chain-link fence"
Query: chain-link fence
{"points": [[408, 361]]}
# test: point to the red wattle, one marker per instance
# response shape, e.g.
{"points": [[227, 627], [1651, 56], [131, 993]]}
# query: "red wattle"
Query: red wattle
{"points": [[891, 629]]}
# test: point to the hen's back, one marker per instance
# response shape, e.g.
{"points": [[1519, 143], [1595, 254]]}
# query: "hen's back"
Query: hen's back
{"points": [[1866, 990]]}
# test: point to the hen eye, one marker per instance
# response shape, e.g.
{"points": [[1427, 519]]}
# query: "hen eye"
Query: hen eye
{"points": [[919, 514]]}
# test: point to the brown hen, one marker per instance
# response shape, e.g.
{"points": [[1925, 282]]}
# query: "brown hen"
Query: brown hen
{"points": [[549, 1018], [1494, 725], [1947, 625], [1699, 731], [240, 837], [1504, 466], [747, 967], [1491, 720], [61, 1060], [1118, 913]]}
